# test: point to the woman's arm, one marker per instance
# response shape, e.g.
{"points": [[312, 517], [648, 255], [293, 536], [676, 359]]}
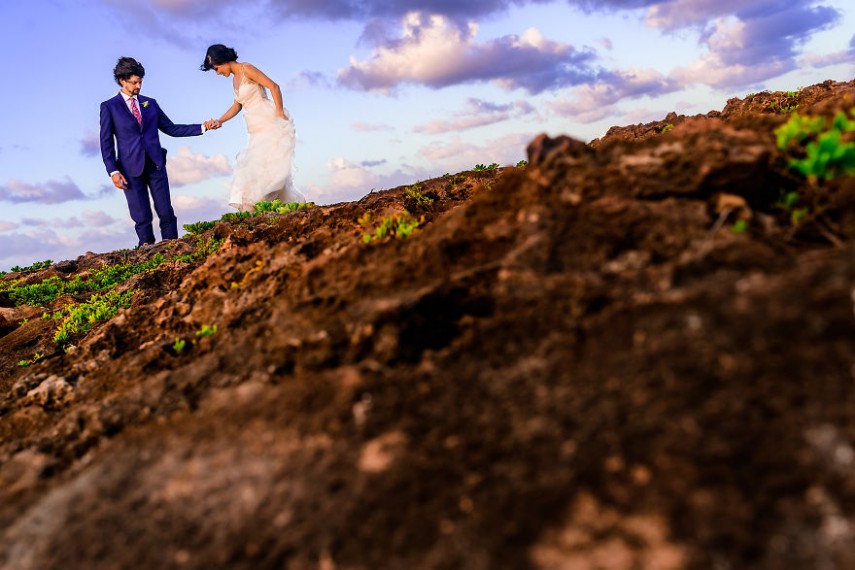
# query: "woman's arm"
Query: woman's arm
{"points": [[231, 112], [259, 77]]}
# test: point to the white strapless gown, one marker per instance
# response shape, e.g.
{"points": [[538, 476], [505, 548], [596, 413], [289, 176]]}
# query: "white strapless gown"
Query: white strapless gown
{"points": [[264, 170]]}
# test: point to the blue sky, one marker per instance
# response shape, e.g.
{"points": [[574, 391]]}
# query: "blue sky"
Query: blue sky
{"points": [[382, 93]]}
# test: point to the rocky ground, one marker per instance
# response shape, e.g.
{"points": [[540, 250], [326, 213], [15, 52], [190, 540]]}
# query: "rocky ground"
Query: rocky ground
{"points": [[629, 354]]}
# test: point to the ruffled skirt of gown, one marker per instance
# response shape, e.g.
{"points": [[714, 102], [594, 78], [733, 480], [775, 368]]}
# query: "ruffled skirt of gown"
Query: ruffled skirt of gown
{"points": [[264, 170]]}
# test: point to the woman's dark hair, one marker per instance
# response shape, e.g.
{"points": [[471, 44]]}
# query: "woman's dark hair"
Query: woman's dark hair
{"points": [[218, 54], [126, 68]]}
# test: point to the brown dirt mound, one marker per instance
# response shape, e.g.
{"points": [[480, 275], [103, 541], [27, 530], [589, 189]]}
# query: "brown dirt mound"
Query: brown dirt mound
{"points": [[579, 364]]}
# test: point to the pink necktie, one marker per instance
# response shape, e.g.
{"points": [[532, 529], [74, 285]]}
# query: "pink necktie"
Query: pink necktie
{"points": [[135, 110]]}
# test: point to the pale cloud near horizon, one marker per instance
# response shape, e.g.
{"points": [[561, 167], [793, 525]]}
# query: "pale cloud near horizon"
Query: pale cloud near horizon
{"points": [[363, 127], [191, 209], [23, 248], [189, 167], [350, 181], [90, 219], [8, 226], [816, 60], [476, 113], [345, 175], [456, 155], [51, 192], [97, 218], [595, 101]]}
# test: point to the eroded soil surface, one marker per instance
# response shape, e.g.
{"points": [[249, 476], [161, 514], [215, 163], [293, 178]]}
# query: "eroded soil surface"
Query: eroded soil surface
{"points": [[578, 364]]}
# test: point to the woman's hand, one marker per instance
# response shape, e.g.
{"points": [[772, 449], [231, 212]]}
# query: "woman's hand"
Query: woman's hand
{"points": [[282, 115]]}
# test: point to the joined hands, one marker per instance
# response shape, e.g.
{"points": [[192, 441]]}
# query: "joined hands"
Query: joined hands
{"points": [[212, 124]]}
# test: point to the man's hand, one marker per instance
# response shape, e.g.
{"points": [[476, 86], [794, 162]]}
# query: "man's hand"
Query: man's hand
{"points": [[212, 124], [119, 181]]}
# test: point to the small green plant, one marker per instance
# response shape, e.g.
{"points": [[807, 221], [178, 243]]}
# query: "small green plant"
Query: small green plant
{"points": [[36, 357], [396, 226], [828, 152], [199, 227], [789, 200], [522, 164], [413, 195], [206, 331], [179, 345], [799, 215], [483, 168], [666, 128], [204, 248], [255, 269], [739, 227]]}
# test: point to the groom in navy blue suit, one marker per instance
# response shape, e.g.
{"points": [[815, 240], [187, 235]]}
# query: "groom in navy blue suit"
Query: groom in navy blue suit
{"points": [[131, 149]]}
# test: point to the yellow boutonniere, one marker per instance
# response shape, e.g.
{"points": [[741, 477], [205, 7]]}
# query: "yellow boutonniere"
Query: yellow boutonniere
{"points": [[145, 104]]}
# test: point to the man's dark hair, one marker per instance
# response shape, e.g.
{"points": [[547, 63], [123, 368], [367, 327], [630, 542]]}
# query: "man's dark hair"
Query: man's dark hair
{"points": [[126, 68], [218, 54]]}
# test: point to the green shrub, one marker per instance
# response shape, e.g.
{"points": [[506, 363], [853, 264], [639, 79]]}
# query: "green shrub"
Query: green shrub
{"points": [[295, 207], [80, 318], [235, 216], [199, 227], [34, 267], [819, 149]]}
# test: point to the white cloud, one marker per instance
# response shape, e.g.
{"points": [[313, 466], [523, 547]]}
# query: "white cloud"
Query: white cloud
{"points": [[436, 52], [8, 226], [97, 218], [710, 70], [754, 44], [346, 175], [189, 167]]}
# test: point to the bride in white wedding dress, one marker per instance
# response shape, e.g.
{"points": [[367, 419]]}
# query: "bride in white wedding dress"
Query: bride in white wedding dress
{"points": [[264, 170]]}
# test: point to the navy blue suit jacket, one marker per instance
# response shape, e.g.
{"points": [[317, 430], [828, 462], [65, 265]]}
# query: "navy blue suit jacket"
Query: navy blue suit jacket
{"points": [[124, 144]]}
